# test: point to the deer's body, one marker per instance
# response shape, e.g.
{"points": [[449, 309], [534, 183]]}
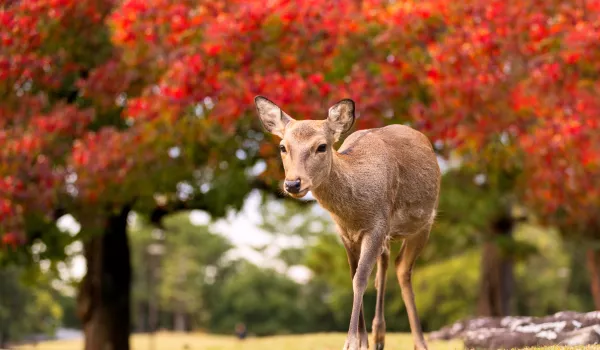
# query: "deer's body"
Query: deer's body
{"points": [[382, 172], [381, 184]]}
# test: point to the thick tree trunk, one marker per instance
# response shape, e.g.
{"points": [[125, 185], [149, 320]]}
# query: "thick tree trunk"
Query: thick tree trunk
{"points": [[497, 273], [593, 265], [104, 297]]}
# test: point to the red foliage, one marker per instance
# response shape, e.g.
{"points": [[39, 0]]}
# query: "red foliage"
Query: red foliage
{"points": [[473, 75], [524, 73]]}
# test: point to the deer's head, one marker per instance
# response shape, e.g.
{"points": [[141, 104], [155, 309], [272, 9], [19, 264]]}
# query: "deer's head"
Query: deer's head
{"points": [[307, 145]]}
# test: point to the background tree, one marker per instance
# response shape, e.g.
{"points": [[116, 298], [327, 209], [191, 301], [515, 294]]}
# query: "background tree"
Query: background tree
{"points": [[177, 281], [509, 87], [27, 305], [543, 73], [266, 301]]}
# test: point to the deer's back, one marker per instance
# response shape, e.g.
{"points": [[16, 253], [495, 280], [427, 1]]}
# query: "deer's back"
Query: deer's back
{"points": [[399, 167]]}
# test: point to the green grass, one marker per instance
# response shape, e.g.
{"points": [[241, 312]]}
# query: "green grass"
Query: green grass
{"points": [[325, 341]]}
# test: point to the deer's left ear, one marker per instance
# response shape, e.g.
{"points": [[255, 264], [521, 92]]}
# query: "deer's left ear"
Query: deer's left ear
{"points": [[341, 118]]}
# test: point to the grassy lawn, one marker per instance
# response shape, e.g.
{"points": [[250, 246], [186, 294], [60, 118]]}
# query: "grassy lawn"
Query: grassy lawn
{"points": [[329, 341], [174, 341]]}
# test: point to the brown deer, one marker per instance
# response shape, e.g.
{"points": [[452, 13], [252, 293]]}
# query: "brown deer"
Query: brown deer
{"points": [[381, 184]]}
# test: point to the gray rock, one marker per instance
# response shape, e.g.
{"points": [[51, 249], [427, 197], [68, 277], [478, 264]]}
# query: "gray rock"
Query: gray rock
{"points": [[563, 328]]}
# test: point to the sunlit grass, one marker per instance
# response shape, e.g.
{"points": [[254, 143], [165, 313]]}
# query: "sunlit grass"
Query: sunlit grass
{"points": [[175, 341], [326, 341]]}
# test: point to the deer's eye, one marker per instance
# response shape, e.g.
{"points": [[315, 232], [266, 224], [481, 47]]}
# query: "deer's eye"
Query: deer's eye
{"points": [[322, 148], [282, 148]]}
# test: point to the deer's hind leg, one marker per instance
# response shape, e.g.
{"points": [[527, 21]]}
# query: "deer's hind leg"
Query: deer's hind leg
{"points": [[411, 248], [379, 319]]}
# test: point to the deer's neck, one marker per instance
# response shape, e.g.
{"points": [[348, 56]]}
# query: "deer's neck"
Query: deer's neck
{"points": [[336, 190]]}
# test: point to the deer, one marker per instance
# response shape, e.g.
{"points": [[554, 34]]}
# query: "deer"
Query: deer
{"points": [[380, 185]]}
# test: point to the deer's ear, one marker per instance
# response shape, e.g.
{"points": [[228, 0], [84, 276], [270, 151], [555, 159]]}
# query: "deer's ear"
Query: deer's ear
{"points": [[341, 118], [272, 117]]}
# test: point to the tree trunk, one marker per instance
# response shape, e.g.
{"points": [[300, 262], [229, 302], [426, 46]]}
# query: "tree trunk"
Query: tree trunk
{"points": [[104, 297], [4, 338], [141, 319], [497, 272], [593, 265], [153, 307], [179, 321]]}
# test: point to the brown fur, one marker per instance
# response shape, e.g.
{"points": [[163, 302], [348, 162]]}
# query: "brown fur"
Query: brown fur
{"points": [[381, 184]]}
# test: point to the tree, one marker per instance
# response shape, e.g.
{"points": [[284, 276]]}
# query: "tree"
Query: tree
{"points": [[26, 307], [73, 148], [511, 87], [173, 290], [191, 261], [266, 301], [108, 104], [473, 211]]}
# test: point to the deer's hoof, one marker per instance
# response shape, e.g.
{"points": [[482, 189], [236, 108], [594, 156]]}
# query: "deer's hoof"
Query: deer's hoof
{"points": [[356, 345], [378, 346]]}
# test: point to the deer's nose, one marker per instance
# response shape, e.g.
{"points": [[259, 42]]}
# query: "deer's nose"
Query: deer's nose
{"points": [[292, 186]]}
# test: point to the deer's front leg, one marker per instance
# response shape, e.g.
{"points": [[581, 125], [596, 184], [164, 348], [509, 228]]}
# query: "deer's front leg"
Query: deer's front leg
{"points": [[353, 256], [370, 249]]}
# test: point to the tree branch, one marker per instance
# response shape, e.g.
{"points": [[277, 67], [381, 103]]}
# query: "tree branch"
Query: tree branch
{"points": [[198, 202]]}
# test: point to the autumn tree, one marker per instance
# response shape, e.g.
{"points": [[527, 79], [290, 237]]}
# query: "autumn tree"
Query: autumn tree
{"points": [[73, 143], [110, 106], [513, 89]]}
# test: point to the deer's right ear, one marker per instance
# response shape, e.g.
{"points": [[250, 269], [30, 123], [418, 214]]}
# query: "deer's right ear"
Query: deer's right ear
{"points": [[272, 117]]}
